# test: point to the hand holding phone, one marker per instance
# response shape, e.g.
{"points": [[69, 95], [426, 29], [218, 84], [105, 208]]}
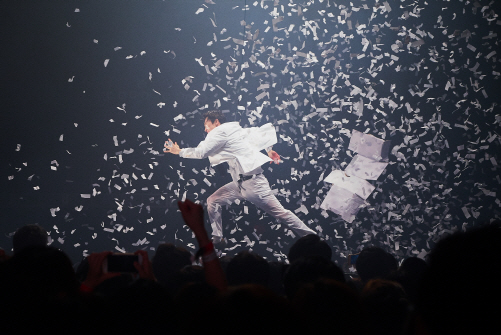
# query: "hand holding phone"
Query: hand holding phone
{"points": [[121, 263], [145, 269], [349, 265], [95, 274]]}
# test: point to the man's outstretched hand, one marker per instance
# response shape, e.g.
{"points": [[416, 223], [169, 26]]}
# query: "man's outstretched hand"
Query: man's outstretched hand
{"points": [[172, 148], [273, 155]]}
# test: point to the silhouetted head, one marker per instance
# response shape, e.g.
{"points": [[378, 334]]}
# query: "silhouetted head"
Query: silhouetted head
{"points": [[409, 275], [168, 260], [29, 236], [190, 274], [38, 283], [460, 291], [310, 245], [42, 272], [413, 266], [247, 268], [386, 305], [331, 307], [374, 262], [308, 270]]}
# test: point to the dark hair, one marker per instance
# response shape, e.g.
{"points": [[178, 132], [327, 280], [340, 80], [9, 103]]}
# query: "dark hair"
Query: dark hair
{"points": [[409, 275], [214, 115], [29, 236], [387, 306], [168, 260], [331, 307], [42, 272], [309, 245], [248, 268], [461, 284], [37, 283], [374, 262], [308, 270]]}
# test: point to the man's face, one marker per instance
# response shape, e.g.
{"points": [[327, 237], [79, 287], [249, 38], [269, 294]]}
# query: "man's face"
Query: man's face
{"points": [[209, 125]]}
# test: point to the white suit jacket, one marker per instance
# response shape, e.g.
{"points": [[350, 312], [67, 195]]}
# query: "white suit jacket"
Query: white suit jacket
{"points": [[230, 141]]}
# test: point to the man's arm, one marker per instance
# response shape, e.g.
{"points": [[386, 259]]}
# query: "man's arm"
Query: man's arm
{"points": [[213, 142]]}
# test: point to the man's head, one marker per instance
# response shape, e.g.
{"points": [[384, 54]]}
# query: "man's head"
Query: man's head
{"points": [[169, 260], [212, 119], [247, 268], [373, 262], [29, 236], [310, 245]]}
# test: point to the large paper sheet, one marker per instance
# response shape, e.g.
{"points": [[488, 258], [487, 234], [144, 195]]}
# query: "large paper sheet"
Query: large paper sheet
{"points": [[369, 146], [342, 202], [365, 168], [354, 184]]}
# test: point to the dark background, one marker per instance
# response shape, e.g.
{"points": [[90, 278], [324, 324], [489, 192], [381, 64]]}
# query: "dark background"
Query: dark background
{"points": [[443, 174]]}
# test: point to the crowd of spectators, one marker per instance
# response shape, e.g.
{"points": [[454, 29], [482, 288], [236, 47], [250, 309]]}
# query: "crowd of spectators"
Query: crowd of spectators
{"points": [[455, 291]]}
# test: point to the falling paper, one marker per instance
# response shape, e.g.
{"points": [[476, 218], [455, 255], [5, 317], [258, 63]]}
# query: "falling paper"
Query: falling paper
{"points": [[369, 146], [342, 202], [354, 184], [365, 168]]}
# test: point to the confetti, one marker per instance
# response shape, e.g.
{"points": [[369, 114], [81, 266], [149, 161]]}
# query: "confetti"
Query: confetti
{"points": [[330, 77]]}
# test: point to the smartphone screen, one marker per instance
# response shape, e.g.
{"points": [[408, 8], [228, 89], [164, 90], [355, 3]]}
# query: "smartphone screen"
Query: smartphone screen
{"points": [[122, 263], [353, 259]]}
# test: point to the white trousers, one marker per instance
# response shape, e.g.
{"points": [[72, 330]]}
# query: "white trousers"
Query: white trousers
{"points": [[256, 190]]}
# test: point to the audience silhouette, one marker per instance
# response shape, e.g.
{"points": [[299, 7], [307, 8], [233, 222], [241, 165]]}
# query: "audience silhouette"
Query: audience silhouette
{"points": [[455, 291]]}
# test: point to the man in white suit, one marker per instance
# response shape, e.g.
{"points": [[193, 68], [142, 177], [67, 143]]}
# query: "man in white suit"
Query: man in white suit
{"points": [[240, 148]]}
